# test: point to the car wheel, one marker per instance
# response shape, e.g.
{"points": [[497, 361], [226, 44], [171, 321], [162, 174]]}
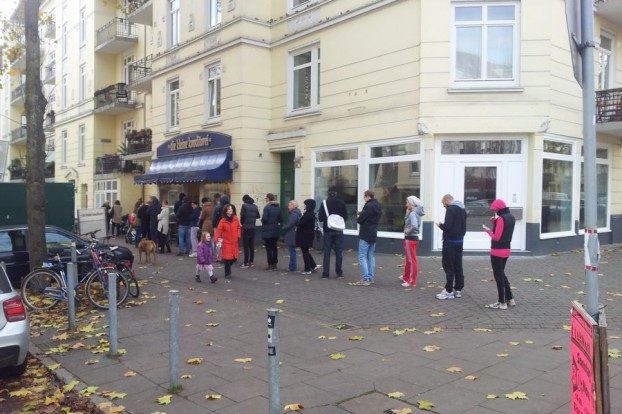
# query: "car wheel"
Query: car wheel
{"points": [[15, 371]]}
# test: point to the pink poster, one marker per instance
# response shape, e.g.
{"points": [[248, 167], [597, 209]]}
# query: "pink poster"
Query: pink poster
{"points": [[582, 366]]}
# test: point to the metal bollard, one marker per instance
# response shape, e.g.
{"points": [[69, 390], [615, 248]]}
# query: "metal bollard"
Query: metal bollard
{"points": [[74, 254], [72, 281], [112, 312], [274, 356], [173, 302]]}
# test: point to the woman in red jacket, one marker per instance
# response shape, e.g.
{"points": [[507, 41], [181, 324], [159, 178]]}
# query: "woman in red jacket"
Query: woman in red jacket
{"points": [[228, 236]]}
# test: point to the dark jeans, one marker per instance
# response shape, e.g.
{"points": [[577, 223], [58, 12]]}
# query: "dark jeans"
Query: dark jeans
{"points": [[271, 251], [163, 242], [145, 233], [333, 239], [308, 259], [228, 264], [139, 235], [503, 284], [116, 228], [452, 265], [153, 232], [248, 243]]}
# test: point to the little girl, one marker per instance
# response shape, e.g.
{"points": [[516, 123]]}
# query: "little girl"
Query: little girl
{"points": [[205, 257]]}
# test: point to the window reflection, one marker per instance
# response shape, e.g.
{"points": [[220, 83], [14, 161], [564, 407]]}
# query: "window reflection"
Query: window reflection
{"points": [[345, 178], [480, 190], [481, 147], [556, 196], [602, 199], [349, 154]]}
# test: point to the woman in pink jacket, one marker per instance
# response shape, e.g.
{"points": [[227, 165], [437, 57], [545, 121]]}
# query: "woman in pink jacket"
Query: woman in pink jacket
{"points": [[501, 235]]}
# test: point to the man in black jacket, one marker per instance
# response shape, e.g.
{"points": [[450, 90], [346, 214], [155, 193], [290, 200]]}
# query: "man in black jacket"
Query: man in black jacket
{"points": [[334, 205], [368, 232], [183, 226], [454, 230], [248, 219]]}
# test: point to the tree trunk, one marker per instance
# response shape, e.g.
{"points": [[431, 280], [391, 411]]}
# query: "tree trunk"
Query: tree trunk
{"points": [[35, 103]]}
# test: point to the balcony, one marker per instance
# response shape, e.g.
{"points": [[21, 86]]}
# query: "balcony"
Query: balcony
{"points": [[609, 111], [140, 11], [140, 75], [18, 135], [116, 36], [108, 164], [17, 173], [18, 59], [114, 100], [17, 95], [50, 75], [48, 123], [610, 10], [50, 29], [139, 145]]}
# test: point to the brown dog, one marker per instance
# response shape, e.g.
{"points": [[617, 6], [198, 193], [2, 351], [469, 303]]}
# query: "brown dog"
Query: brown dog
{"points": [[147, 246]]}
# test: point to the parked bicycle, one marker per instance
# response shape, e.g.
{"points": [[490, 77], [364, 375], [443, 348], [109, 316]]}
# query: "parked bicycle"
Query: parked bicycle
{"points": [[123, 266], [43, 288]]}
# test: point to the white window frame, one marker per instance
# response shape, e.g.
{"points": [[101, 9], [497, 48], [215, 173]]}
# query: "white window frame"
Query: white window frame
{"points": [[599, 161], [81, 144], [106, 190], [296, 4], [485, 82], [314, 84], [607, 80], [83, 82], [64, 41], [65, 92], [172, 105], [126, 126], [212, 90], [174, 23], [63, 148], [214, 12], [82, 27]]}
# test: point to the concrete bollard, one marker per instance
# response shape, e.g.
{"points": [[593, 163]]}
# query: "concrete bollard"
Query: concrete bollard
{"points": [[274, 356], [72, 281], [112, 312], [173, 303]]}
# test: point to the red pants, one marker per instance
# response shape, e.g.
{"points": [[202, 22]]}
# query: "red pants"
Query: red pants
{"points": [[411, 269]]}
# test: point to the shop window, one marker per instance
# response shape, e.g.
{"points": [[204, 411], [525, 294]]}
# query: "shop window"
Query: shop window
{"points": [[557, 186], [602, 191]]}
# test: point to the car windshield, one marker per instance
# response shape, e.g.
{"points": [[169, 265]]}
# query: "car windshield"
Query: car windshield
{"points": [[5, 286]]}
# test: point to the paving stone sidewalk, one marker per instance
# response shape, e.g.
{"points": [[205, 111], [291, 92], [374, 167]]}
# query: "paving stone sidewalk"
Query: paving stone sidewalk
{"points": [[226, 321]]}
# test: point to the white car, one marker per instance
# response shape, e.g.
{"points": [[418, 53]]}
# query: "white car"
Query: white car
{"points": [[14, 330]]}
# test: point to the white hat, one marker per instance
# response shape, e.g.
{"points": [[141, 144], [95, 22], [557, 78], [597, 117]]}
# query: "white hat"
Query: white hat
{"points": [[413, 200]]}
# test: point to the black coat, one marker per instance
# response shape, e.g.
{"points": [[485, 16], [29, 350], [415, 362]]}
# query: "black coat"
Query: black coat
{"points": [[249, 215], [368, 221], [270, 220], [183, 214], [335, 206], [154, 210], [305, 232]]}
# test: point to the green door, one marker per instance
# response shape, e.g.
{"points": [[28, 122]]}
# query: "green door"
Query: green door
{"points": [[287, 182]]}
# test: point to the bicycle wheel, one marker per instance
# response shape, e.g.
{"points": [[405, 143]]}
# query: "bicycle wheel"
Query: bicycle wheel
{"points": [[97, 288], [134, 290], [41, 289]]}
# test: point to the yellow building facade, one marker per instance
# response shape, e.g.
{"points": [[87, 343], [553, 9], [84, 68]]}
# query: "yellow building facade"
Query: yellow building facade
{"points": [[423, 97]]}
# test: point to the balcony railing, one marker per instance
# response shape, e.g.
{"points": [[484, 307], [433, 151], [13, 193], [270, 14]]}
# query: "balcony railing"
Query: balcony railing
{"points": [[18, 134], [50, 120], [139, 145], [140, 74], [17, 95], [107, 164], [116, 36], [114, 99], [18, 173], [50, 74], [609, 105], [50, 29], [140, 11]]}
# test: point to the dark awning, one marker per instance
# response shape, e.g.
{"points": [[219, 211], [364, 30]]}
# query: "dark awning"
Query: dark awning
{"points": [[203, 166]]}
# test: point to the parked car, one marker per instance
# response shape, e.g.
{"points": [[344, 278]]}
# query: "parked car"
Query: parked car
{"points": [[14, 250], [14, 330]]}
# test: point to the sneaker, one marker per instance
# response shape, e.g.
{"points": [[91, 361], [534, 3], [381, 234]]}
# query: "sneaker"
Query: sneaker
{"points": [[197, 278], [457, 293], [498, 305], [251, 264], [269, 267], [406, 284], [306, 272], [445, 295], [227, 276], [316, 268], [244, 266], [192, 255], [213, 278], [365, 283], [511, 302], [340, 276]]}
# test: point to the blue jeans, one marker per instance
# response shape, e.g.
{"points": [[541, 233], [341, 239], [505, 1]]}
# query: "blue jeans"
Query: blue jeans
{"points": [[367, 260], [333, 239], [183, 233], [293, 264]]}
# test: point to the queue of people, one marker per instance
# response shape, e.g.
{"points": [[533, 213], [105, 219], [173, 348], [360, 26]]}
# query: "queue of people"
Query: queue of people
{"points": [[211, 232]]}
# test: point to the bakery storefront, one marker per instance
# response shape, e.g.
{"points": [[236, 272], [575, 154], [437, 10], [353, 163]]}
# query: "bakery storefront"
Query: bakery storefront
{"points": [[195, 163]]}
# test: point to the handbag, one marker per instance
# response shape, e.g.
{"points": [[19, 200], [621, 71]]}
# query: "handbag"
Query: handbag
{"points": [[318, 237], [334, 221]]}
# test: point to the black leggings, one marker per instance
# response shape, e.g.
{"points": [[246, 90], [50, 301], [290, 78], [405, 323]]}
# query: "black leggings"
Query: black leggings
{"points": [[308, 259], [503, 284]]}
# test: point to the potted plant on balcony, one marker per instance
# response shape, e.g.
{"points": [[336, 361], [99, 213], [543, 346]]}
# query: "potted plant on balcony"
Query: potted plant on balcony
{"points": [[16, 165]]}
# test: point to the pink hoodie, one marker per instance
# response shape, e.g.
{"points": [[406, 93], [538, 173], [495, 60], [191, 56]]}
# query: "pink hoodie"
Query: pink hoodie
{"points": [[497, 205]]}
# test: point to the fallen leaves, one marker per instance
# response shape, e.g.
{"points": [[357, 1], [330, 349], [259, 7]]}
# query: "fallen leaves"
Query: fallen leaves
{"points": [[454, 369], [470, 377], [517, 395], [212, 397], [425, 405], [243, 360], [356, 338], [482, 329], [431, 348], [195, 361], [293, 407], [614, 353], [336, 356], [164, 400], [395, 394]]}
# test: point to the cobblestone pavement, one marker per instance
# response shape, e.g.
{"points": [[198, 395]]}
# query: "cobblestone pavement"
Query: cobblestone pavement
{"points": [[320, 317]]}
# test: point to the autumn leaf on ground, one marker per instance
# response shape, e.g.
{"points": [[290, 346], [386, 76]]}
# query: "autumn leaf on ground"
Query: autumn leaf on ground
{"points": [[186, 376], [321, 337], [395, 394], [213, 324], [53, 367], [115, 410], [243, 360], [70, 386], [529, 342], [91, 362], [503, 355], [384, 329], [436, 315], [454, 369], [20, 393], [425, 405], [213, 397], [89, 390], [431, 348], [195, 361], [491, 396], [337, 356], [514, 343], [54, 399], [129, 374], [279, 301], [614, 353], [293, 407], [399, 411], [482, 329], [399, 332], [433, 331], [112, 394], [356, 338], [566, 327], [470, 377], [164, 400], [556, 347], [61, 337], [517, 395], [210, 311]]}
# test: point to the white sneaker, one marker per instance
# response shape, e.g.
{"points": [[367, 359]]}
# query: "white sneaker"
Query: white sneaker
{"points": [[511, 302], [445, 295], [457, 293], [406, 284], [498, 305], [192, 255]]}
